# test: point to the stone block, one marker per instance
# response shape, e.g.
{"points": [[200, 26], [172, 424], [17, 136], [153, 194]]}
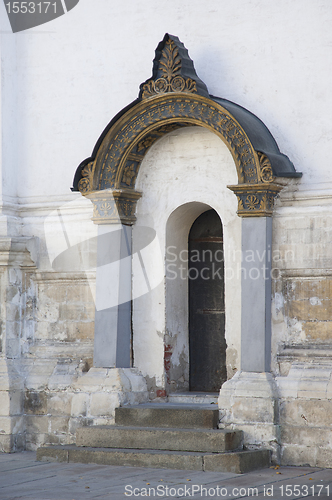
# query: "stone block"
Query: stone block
{"points": [[318, 330], [38, 374], [108, 420], [12, 312], [324, 457], [306, 412], [36, 424], [288, 387], [256, 410], [135, 398], [72, 312], [80, 330], [4, 403], [305, 436], [10, 379], [59, 404], [54, 454], [13, 348], [299, 455], [76, 422], [117, 379], [312, 389], [63, 375], [11, 425], [104, 403], [313, 308], [256, 434], [237, 463], [211, 440], [168, 416], [59, 425], [137, 382], [164, 460], [35, 439], [6, 443], [11, 403], [47, 311], [79, 293], [91, 380], [257, 385], [56, 292], [79, 405], [35, 402], [110, 379]]}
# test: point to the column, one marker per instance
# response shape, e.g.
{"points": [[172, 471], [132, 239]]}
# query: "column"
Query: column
{"points": [[256, 294], [112, 342], [114, 212]]}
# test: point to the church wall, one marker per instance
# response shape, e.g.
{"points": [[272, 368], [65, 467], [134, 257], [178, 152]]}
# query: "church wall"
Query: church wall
{"points": [[61, 83]]}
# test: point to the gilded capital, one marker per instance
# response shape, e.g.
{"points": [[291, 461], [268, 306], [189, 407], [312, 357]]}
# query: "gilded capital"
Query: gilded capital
{"points": [[116, 206], [255, 200]]}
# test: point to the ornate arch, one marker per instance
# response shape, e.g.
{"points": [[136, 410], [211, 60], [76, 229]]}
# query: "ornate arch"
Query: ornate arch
{"points": [[175, 97]]}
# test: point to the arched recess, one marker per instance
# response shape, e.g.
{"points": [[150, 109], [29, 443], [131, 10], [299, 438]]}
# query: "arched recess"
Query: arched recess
{"points": [[172, 98]]}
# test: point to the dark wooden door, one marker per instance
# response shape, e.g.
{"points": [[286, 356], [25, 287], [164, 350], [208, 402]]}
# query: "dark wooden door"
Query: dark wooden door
{"points": [[207, 346]]}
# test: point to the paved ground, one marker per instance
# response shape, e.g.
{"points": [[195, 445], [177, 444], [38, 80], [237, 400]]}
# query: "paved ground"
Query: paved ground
{"points": [[22, 478]]}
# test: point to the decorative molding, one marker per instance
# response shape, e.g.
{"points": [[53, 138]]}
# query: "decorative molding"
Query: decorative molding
{"points": [[124, 147], [265, 168], [255, 200], [114, 206], [86, 181], [19, 251], [175, 97], [171, 80]]}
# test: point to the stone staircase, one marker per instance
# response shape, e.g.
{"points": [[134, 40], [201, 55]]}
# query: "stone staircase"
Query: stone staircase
{"points": [[173, 435]]}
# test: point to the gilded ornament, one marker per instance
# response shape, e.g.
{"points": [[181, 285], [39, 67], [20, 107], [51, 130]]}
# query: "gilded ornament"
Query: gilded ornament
{"points": [[178, 84], [266, 172], [252, 202], [128, 174], [145, 143], [106, 208], [85, 183], [84, 186], [171, 80]]}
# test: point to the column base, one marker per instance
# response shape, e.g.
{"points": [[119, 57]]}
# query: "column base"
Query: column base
{"points": [[249, 402], [101, 390]]}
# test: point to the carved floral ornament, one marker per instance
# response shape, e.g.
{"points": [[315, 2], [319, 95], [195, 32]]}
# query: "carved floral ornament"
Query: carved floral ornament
{"points": [[175, 97], [171, 80]]}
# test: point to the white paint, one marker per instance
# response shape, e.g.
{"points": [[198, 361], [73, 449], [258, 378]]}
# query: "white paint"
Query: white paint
{"points": [[65, 80], [183, 174]]}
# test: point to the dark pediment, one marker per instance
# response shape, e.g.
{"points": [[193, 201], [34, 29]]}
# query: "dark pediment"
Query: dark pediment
{"points": [[173, 71]]}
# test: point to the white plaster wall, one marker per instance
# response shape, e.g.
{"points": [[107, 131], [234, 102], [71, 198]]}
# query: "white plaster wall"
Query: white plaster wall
{"points": [[68, 78], [189, 165]]}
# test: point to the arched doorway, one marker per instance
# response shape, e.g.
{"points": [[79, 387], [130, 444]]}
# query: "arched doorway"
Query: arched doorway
{"points": [[175, 99], [207, 345]]}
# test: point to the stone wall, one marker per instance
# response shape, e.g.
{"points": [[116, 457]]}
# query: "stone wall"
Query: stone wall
{"points": [[294, 421]]}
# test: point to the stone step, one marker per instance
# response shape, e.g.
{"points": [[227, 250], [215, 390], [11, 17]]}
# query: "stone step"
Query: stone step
{"points": [[184, 416], [193, 398], [237, 462], [202, 440]]}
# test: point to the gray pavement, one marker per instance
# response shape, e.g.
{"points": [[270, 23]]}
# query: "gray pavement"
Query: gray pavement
{"points": [[23, 478]]}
